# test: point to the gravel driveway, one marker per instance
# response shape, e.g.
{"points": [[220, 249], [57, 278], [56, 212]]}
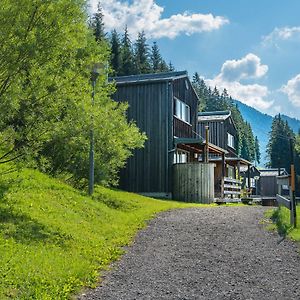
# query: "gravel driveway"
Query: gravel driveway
{"points": [[205, 253]]}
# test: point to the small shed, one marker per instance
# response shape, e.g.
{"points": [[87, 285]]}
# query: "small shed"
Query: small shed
{"points": [[267, 183]]}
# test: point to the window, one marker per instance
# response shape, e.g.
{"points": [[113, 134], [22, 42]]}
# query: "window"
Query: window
{"points": [[230, 140], [182, 111], [180, 157]]}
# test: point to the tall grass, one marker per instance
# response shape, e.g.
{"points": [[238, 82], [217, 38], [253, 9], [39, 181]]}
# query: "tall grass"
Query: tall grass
{"points": [[281, 218], [54, 239]]}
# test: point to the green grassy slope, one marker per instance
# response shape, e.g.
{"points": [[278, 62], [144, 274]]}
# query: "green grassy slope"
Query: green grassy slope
{"points": [[55, 239], [281, 219]]}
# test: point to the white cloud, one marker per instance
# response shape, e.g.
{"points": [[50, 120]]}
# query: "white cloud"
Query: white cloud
{"points": [[246, 68], [146, 15], [250, 94], [249, 67], [292, 89], [281, 34]]}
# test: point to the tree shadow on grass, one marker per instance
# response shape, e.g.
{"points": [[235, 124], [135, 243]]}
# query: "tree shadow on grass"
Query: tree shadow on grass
{"points": [[283, 228], [23, 229]]}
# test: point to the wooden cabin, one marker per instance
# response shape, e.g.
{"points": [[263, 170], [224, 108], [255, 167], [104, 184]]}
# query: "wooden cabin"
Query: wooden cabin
{"points": [[267, 184], [222, 130], [223, 133], [165, 107]]}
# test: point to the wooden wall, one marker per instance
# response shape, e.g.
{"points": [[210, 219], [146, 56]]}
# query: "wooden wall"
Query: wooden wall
{"points": [[147, 171], [194, 182], [218, 133], [183, 90], [267, 186]]}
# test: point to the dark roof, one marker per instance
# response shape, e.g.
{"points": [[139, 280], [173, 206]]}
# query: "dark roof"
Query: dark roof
{"points": [[150, 77], [199, 141], [272, 172], [188, 140], [214, 115]]}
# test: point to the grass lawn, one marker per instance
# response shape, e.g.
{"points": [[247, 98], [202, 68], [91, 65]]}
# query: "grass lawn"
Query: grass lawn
{"points": [[55, 239], [281, 218]]}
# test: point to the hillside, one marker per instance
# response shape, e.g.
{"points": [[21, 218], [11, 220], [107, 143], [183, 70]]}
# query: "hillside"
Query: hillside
{"points": [[54, 239], [261, 125]]}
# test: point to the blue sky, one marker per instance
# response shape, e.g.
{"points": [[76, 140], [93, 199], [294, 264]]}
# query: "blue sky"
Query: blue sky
{"points": [[249, 47]]}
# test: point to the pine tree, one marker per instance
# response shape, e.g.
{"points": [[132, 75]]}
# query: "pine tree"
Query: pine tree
{"points": [[155, 58], [278, 148], [201, 90], [141, 54], [156, 61], [171, 67], [127, 57], [98, 25], [115, 52], [257, 151]]}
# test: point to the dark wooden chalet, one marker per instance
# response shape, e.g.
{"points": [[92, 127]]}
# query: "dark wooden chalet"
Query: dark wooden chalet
{"points": [[222, 130], [165, 107], [223, 133]]}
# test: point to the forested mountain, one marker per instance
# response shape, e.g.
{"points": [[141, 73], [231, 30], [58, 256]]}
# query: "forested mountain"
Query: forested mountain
{"points": [[261, 125]]}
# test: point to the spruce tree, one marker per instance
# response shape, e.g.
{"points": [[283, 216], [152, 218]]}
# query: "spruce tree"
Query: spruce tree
{"points": [[257, 151], [115, 52], [141, 54], [157, 63], [155, 58], [127, 57], [171, 67], [98, 25], [278, 148]]}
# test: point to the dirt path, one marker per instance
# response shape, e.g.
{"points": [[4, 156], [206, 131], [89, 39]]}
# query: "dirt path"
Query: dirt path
{"points": [[206, 253]]}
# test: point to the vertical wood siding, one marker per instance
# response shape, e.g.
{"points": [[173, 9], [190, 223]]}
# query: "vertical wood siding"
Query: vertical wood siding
{"points": [[147, 170], [218, 133], [194, 182], [151, 106]]}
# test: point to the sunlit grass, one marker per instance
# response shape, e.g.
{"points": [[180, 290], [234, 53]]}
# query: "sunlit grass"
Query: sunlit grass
{"points": [[55, 239], [281, 219]]}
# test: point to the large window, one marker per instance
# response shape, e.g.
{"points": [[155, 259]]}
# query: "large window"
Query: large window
{"points": [[230, 141], [182, 111], [181, 157]]}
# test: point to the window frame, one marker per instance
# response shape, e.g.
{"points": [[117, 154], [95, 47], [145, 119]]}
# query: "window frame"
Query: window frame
{"points": [[182, 111]]}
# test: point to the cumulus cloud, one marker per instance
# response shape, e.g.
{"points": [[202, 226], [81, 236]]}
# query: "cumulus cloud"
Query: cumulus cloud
{"points": [[146, 15], [246, 68], [281, 34], [233, 71], [250, 94], [292, 89]]}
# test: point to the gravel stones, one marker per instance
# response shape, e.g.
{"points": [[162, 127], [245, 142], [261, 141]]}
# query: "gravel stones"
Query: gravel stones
{"points": [[205, 253]]}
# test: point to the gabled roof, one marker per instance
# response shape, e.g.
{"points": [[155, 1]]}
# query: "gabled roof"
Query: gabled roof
{"points": [[272, 172], [150, 77], [214, 115]]}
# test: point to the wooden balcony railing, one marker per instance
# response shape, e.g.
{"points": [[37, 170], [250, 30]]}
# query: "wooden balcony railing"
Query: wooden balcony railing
{"points": [[231, 188], [182, 129]]}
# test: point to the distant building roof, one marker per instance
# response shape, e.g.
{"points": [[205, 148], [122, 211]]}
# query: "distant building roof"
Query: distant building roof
{"points": [[272, 172], [150, 77], [214, 116]]}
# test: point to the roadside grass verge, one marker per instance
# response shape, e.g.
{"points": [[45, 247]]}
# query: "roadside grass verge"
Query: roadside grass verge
{"points": [[54, 239], [281, 222]]}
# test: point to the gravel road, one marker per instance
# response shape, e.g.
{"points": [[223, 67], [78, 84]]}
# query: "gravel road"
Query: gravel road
{"points": [[205, 253]]}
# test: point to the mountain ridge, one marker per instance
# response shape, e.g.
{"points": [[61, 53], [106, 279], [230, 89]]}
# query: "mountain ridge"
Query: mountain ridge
{"points": [[261, 125]]}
